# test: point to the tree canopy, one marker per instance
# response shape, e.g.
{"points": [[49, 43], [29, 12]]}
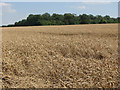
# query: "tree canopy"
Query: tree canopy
{"points": [[66, 19]]}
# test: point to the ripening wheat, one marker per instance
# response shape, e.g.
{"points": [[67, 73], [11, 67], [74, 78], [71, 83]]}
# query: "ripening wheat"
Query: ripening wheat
{"points": [[73, 56]]}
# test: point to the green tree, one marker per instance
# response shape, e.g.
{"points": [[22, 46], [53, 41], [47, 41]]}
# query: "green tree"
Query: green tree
{"points": [[69, 19], [33, 19], [57, 19], [46, 16], [103, 21], [85, 19], [66, 19]]}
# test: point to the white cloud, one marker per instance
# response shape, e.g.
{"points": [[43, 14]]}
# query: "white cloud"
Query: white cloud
{"points": [[97, 2], [81, 7], [6, 8]]}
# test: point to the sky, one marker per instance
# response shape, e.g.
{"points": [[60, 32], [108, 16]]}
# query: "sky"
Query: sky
{"points": [[60, 0], [16, 11]]}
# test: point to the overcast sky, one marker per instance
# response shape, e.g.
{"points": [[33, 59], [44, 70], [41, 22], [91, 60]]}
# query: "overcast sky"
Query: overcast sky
{"points": [[15, 11]]}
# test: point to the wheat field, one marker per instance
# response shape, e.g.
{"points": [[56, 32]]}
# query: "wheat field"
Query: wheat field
{"points": [[71, 56]]}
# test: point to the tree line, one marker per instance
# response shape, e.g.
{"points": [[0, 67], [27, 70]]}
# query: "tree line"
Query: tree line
{"points": [[66, 19]]}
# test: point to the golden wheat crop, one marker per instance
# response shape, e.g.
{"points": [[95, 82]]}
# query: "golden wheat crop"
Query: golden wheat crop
{"points": [[73, 56]]}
